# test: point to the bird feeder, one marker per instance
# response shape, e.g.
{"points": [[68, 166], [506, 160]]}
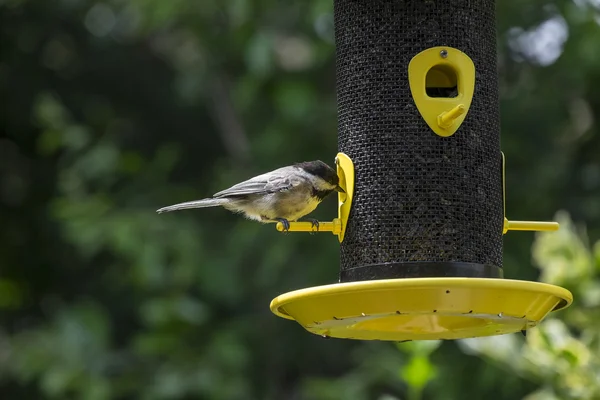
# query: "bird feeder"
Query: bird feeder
{"points": [[422, 220]]}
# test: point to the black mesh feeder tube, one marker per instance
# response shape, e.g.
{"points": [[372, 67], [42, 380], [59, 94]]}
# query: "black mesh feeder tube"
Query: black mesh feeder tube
{"points": [[422, 222]]}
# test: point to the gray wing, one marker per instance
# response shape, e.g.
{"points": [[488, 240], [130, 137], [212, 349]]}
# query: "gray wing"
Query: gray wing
{"points": [[280, 180]]}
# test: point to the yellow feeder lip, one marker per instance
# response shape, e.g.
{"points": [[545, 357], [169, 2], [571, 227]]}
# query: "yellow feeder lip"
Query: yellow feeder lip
{"points": [[421, 308]]}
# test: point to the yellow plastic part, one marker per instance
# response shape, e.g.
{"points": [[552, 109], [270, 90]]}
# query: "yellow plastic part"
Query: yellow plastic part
{"points": [[442, 67], [522, 225], [446, 119], [334, 226], [421, 308], [345, 171], [530, 226]]}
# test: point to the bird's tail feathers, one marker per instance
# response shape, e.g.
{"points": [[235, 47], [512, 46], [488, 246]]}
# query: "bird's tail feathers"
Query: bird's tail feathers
{"points": [[194, 204]]}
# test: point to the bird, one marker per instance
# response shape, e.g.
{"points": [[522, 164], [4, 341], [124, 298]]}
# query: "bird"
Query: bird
{"points": [[283, 195]]}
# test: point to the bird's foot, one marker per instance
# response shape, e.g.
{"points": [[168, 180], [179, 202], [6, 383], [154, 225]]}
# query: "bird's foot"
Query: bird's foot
{"points": [[284, 222], [315, 224]]}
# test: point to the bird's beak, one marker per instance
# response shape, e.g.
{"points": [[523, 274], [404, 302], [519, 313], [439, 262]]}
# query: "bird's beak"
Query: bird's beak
{"points": [[339, 189]]}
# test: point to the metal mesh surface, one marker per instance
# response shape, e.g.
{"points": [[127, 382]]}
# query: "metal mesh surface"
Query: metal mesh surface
{"points": [[419, 197]]}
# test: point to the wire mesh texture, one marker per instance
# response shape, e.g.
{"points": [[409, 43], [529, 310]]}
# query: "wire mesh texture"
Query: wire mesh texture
{"points": [[424, 205]]}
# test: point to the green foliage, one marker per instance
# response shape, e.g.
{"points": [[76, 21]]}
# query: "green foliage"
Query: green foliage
{"points": [[112, 109], [419, 370], [562, 355]]}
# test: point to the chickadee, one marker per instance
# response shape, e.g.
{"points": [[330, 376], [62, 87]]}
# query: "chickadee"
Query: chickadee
{"points": [[283, 195]]}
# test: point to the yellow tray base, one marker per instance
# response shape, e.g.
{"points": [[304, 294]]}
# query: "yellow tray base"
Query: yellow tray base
{"points": [[421, 308]]}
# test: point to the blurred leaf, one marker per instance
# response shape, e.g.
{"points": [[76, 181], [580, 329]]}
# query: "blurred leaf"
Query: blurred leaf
{"points": [[295, 99], [259, 56], [418, 372], [561, 353], [419, 347]]}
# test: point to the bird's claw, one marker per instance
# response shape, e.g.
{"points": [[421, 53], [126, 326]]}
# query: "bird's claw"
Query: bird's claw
{"points": [[315, 224], [285, 223]]}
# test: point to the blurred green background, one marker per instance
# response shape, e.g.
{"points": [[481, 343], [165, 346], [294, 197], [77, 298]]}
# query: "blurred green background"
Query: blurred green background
{"points": [[111, 109]]}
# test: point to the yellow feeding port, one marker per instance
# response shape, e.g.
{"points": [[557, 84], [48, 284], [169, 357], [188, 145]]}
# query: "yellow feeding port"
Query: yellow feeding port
{"points": [[421, 308], [442, 83]]}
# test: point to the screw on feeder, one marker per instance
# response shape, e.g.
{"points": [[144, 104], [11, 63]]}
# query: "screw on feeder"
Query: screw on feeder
{"points": [[444, 53]]}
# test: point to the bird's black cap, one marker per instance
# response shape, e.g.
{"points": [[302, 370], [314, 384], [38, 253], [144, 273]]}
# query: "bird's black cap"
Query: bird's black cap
{"points": [[320, 169]]}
